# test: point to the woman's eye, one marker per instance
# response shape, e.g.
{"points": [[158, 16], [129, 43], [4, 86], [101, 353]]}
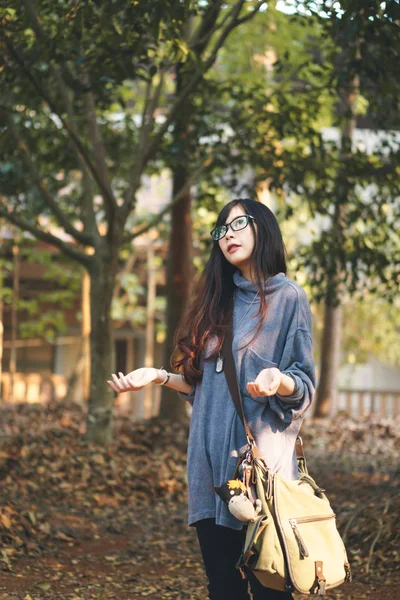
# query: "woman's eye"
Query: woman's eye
{"points": [[240, 222]]}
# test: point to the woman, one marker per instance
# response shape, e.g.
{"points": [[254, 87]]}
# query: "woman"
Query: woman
{"points": [[272, 347]]}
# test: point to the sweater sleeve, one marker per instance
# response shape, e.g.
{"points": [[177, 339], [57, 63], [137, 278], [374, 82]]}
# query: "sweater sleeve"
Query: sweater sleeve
{"points": [[189, 397], [297, 362]]}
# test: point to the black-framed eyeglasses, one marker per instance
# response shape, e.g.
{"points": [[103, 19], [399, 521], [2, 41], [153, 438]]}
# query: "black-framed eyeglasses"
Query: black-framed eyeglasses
{"points": [[236, 224]]}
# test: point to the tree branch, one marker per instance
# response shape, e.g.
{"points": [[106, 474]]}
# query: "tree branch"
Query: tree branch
{"points": [[110, 203], [175, 200], [45, 236], [75, 139], [251, 13], [154, 102], [126, 269], [144, 119], [192, 83], [81, 237], [208, 26], [206, 30], [147, 123], [40, 35], [87, 208], [88, 215], [147, 154]]}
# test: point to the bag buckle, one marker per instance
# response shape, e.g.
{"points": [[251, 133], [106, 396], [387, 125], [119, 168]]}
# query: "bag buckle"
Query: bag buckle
{"points": [[320, 579], [299, 447]]}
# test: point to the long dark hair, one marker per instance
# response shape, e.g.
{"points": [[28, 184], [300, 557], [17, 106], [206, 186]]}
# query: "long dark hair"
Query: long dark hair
{"points": [[212, 303]]}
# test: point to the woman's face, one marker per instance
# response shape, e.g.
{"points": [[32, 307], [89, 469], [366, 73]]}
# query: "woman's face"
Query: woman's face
{"points": [[238, 246]]}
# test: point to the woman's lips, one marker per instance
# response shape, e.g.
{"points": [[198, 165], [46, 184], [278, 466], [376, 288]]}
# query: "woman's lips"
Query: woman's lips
{"points": [[233, 249]]}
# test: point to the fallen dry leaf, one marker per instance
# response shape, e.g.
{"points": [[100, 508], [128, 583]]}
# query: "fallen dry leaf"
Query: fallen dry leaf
{"points": [[103, 523]]}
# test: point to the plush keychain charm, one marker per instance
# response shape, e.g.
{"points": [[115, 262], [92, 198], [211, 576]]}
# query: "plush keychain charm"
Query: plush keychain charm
{"points": [[234, 493]]}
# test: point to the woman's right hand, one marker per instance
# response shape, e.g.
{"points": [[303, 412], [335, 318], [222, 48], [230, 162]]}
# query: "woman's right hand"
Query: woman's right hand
{"points": [[133, 381]]}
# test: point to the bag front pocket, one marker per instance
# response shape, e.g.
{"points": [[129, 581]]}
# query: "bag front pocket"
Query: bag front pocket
{"points": [[300, 541], [263, 551], [314, 540], [253, 531]]}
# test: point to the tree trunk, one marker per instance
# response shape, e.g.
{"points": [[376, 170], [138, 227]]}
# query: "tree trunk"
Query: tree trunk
{"points": [[14, 321], [331, 334], [179, 278], [85, 331], [179, 271], [150, 310], [330, 361], [1, 326], [101, 400]]}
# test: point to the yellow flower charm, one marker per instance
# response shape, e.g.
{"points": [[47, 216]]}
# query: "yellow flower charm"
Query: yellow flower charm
{"points": [[236, 483]]}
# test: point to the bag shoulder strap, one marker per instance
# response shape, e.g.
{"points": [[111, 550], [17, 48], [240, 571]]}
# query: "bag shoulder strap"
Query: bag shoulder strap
{"points": [[231, 379]]}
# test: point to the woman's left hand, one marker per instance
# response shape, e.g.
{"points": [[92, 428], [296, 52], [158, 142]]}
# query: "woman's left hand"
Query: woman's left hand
{"points": [[266, 383]]}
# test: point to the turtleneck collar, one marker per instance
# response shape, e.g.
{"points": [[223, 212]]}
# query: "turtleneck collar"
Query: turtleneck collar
{"points": [[247, 289]]}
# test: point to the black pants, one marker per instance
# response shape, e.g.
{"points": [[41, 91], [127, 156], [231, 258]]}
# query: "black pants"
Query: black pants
{"points": [[221, 548]]}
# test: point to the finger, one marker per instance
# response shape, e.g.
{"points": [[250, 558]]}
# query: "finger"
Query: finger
{"points": [[113, 386], [259, 390], [124, 380], [252, 388], [270, 388], [130, 380], [263, 380], [117, 383]]}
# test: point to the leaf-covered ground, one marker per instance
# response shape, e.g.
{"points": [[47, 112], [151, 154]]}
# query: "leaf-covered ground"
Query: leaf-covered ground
{"points": [[82, 522]]}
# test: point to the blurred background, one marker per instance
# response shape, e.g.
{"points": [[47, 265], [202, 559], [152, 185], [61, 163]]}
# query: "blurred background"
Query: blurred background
{"points": [[125, 126]]}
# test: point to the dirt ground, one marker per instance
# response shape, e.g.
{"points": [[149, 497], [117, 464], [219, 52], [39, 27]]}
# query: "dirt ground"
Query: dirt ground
{"points": [[138, 562], [79, 522]]}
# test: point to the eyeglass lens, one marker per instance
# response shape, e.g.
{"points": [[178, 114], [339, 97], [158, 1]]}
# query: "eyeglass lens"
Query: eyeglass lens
{"points": [[236, 225]]}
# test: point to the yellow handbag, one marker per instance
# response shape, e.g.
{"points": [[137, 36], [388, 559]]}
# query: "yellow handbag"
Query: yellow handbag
{"points": [[293, 542]]}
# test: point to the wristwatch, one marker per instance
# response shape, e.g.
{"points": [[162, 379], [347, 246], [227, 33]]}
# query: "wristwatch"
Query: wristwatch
{"points": [[166, 379]]}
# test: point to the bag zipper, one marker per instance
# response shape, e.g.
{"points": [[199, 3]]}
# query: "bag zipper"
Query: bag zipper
{"points": [[314, 518], [300, 542]]}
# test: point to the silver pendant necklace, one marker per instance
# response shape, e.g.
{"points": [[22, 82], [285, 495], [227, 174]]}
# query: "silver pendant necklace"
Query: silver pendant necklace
{"points": [[219, 363]]}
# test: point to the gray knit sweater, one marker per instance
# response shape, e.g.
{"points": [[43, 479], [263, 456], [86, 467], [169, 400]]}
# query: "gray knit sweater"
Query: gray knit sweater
{"points": [[216, 432]]}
